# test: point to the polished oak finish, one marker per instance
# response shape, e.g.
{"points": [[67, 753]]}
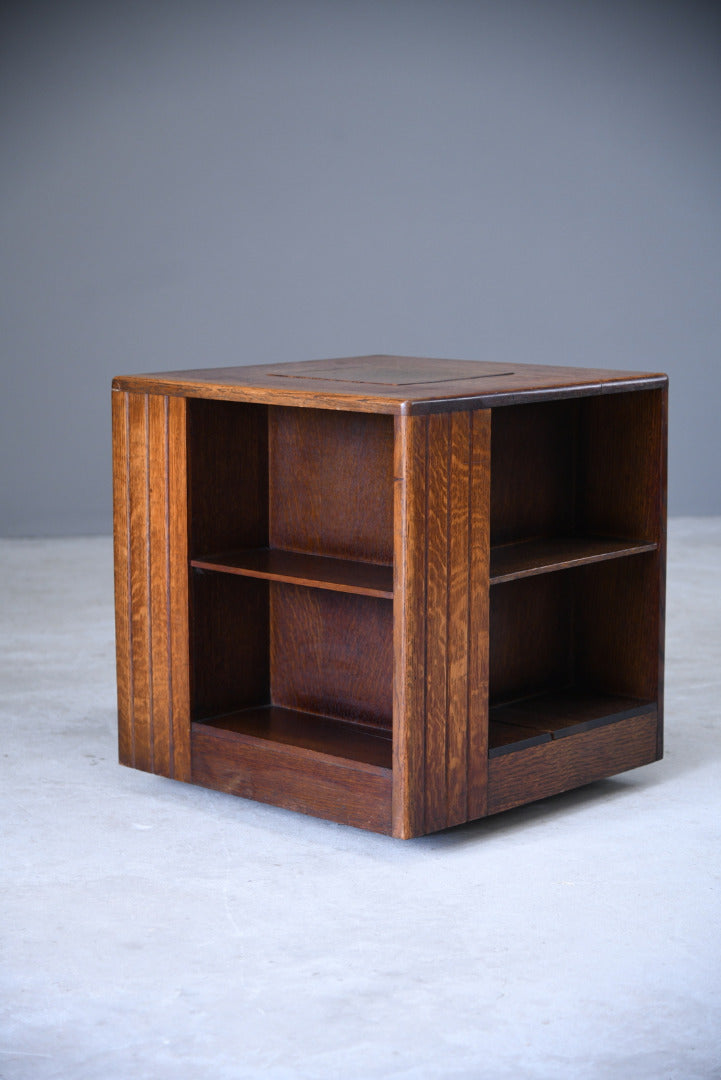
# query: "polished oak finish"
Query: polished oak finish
{"points": [[560, 714], [332, 654], [322, 735], [294, 776], [151, 583], [397, 593], [361, 384], [441, 621], [553, 767], [331, 484]]}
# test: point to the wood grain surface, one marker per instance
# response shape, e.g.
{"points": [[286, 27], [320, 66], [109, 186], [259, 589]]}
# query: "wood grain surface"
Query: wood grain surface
{"points": [[540, 771], [151, 570], [331, 484], [441, 621], [332, 654], [323, 735], [358, 384], [560, 714], [291, 776]]}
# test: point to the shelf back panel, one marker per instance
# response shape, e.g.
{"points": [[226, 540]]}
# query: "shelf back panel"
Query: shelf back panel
{"points": [[331, 483], [593, 627], [591, 466], [533, 462], [617, 626], [531, 641], [227, 476], [332, 654], [229, 643], [621, 474]]}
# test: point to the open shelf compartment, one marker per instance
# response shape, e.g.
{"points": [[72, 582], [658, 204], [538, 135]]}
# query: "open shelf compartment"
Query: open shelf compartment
{"points": [[311, 764], [572, 652], [574, 482], [575, 487], [292, 618]]}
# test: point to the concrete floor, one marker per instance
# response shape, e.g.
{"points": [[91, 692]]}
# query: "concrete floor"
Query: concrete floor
{"points": [[155, 930]]}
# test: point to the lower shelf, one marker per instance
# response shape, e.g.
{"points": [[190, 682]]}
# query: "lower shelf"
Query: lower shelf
{"points": [[343, 772], [551, 716], [559, 765], [308, 734], [313, 764]]}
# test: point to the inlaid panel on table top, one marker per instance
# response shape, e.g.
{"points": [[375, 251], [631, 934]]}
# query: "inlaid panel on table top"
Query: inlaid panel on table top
{"points": [[389, 384]]}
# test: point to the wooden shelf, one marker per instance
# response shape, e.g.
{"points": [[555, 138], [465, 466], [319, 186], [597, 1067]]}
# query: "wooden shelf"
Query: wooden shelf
{"points": [[316, 571], [312, 764], [556, 715], [309, 735], [539, 771], [512, 561], [504, 737]]}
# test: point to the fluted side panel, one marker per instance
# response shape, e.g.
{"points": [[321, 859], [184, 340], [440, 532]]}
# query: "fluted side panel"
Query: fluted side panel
{"points": [[441, 620], [151, 582]]}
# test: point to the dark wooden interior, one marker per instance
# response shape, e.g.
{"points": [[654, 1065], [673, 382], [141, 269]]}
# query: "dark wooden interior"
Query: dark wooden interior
{"points": [[230, 628], [307, 626], [318, 734], [577, 519], [331, 483], [580, 468], [292, 577], [534, 469], [227, 476], [332, 654]]}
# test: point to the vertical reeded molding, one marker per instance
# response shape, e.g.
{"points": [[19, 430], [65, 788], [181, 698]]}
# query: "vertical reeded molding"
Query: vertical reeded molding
{"points": [[442, 492], [479, 563], [178, 585], [151, 582], [121, 550], [409, 638]]}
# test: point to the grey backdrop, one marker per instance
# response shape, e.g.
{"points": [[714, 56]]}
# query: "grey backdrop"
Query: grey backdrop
{"points": [[190, 184]]}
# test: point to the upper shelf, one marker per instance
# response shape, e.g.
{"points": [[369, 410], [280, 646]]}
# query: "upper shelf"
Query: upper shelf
{"points": [[530, 557], [556, 714], [316, 571], [508, 563]]}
